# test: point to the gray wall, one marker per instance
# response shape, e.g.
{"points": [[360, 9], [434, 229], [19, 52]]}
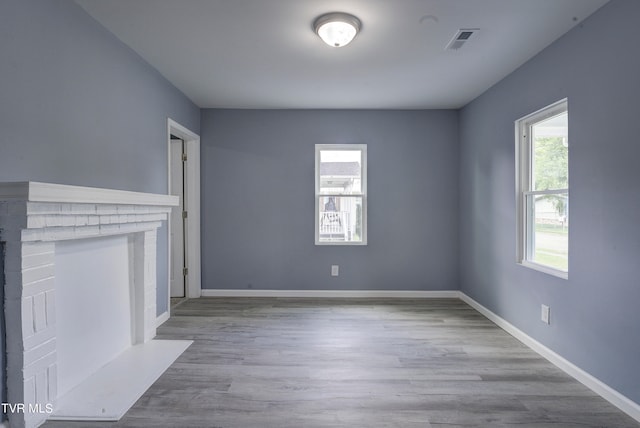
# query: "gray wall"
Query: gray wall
{"points": [[594, 314], [79, 107], [258, 200]]}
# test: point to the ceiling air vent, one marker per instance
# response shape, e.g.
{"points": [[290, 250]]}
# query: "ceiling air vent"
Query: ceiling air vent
{"points": [[462, 36]]}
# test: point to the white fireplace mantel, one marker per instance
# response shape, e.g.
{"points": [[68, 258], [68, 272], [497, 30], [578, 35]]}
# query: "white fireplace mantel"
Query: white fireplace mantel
{"points": [[33, 217]]}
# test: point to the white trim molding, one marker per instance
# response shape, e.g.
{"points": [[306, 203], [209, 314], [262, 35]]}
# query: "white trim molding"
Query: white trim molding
{"points": [[395, 294], [623, 403], [162, 318]]}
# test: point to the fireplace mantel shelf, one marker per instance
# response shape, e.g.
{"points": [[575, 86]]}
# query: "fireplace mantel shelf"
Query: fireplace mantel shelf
{"points": [[34, 191], [33, 211]]}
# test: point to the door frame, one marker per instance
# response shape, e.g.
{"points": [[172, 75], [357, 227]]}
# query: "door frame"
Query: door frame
{"points": [[192, 197], [177, 223]]}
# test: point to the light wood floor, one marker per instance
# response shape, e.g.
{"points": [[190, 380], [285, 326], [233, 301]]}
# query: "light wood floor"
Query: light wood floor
{"points": [[356, 363]]}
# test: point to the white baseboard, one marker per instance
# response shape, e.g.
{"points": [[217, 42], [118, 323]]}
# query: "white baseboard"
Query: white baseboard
{"points": [[417, 294], [623, 403], [162, 318]]}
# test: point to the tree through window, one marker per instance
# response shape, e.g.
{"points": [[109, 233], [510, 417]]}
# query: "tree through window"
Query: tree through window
{"points": [[543, 189]]}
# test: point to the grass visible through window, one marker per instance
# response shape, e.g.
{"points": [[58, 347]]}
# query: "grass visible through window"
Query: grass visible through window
{"points": [[552, 246]]}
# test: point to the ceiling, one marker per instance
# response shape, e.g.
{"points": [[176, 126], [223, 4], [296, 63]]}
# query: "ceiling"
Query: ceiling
{"points": [[264, 53]]}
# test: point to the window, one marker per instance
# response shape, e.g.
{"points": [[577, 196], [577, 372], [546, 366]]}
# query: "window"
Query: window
{"points": [[341, 194], [542, 157]]}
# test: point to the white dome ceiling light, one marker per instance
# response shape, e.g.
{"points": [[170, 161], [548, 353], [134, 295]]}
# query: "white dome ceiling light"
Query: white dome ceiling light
{"points": [[337, 29]]}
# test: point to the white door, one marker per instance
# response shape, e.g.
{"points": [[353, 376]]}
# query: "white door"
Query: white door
{"points": [[177, 221]]}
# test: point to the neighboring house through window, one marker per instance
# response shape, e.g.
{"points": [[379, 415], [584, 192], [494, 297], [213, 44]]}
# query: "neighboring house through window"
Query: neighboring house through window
{"points": [[542, 158], [341, 194]]}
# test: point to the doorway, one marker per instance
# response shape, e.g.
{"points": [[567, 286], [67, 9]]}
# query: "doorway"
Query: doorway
{"points": [[184, 224], [178, 220]]}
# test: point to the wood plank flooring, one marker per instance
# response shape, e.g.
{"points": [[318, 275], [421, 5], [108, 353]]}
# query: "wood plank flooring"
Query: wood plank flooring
{"points": [[355, 363]]}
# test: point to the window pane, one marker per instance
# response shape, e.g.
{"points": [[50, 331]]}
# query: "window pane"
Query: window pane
{"points": [[548, 230], [341, 172], [550, 152], [340, 219]]}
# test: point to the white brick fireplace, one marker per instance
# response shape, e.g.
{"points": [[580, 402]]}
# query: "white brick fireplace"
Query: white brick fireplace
{"points": [[35, 219]]}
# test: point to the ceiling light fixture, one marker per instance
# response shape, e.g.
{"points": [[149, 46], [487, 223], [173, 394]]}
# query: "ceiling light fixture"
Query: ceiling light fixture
{"points": [[337, 29]]}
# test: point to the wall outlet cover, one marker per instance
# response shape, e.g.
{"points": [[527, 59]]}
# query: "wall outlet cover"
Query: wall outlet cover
{"points": [[544, 314], [335, 270]]}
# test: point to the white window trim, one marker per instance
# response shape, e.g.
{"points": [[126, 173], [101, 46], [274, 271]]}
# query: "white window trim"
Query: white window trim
{"points": [[523, 177], [363, 195]]}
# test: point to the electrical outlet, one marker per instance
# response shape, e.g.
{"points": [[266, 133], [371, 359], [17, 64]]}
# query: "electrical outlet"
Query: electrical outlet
{"points": [[544, 314], [335, 270]]}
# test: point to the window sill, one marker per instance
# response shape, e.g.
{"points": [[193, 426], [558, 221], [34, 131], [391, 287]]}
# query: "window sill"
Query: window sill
{"points": [[545, 269], [355, 244]]}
